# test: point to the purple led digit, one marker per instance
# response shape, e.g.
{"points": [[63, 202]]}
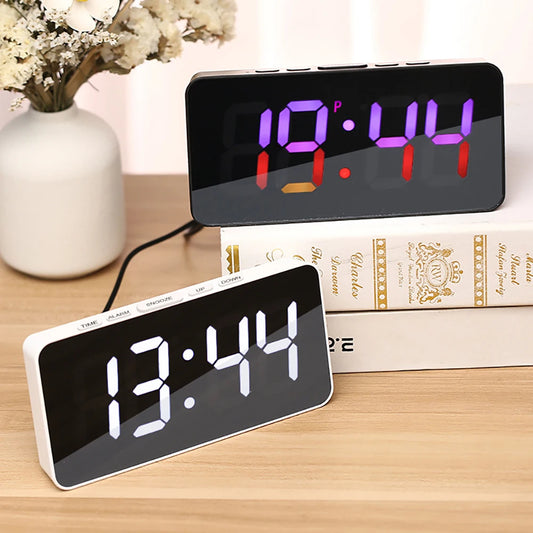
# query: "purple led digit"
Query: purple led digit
{"points": [[452, 138], [283, 126], [265, 134], [374, 130], [301, 146], [321, 124], [320, 128], [410, 120], [431, 119], [304, 105], [448, 138], [265, 128], [391, 142], [466, 119]]}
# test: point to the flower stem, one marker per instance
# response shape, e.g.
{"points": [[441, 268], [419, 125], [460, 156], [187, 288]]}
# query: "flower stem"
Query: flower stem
{"points": [[39, 98], [118, 17], [82, 73]]}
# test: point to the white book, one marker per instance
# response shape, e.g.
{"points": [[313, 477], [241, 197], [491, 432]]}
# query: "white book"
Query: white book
{"points": [[420, 262], [368, 341]]}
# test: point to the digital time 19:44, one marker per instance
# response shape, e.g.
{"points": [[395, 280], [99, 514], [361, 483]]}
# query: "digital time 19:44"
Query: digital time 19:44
{"points": [[309, 120], [345, 144]]}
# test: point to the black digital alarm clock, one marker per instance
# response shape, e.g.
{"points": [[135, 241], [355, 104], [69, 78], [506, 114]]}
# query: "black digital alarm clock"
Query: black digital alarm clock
{"points": [[345, 141], [162, 376]]}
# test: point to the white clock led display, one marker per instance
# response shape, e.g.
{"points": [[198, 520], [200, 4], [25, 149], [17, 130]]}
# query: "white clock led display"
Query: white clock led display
{"points": [[178, 371]]}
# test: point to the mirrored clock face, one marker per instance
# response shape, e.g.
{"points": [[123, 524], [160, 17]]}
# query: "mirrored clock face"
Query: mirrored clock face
{"points": [[345, 144], [186, 375]]}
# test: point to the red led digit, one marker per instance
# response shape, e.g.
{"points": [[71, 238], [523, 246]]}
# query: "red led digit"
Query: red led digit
{"points": [[265, 133], [262, 170], [407, 165], [318, 167], [462, 166]]}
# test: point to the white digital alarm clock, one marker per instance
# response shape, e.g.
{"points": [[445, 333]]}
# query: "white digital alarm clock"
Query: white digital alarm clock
{"points": [[156, 378]]}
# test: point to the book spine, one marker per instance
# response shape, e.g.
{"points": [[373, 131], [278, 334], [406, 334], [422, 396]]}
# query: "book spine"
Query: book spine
{"points": [[369, 341], [384, 272]]}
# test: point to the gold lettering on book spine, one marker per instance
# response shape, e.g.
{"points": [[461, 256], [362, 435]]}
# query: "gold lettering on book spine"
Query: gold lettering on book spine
{"points": [[435, 271], [232, 258], [379, 248], [480, 270]]}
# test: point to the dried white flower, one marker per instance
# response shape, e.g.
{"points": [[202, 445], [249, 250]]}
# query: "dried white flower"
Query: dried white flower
{"points": [[8, 18], [49, 48], [82, 15], [171, 42], [210, 17], [18, 60], [140, 41]]}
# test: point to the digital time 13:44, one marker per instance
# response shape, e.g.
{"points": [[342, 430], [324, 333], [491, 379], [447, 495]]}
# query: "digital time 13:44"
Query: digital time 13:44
{"points": [[266, 137], [219, 363]]}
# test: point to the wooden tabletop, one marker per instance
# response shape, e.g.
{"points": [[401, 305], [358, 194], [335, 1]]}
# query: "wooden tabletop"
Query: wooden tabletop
{"points": [[399, 451]]}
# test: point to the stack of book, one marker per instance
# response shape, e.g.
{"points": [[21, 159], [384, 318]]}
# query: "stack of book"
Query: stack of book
{"points": [[438, 291]]}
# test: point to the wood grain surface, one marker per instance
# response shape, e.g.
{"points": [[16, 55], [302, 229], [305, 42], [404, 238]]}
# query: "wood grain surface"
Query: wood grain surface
{"points": [[400, 451]]}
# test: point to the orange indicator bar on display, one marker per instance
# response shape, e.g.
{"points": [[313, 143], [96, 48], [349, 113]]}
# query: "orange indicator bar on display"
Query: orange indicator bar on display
{"points": [[304, 186]]}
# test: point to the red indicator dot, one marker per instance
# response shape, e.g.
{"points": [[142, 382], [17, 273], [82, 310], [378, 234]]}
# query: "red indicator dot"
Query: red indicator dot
{"points": [[345, 173]]}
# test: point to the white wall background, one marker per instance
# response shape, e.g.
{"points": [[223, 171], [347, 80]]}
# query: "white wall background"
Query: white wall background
{"points": [[146, 108]]}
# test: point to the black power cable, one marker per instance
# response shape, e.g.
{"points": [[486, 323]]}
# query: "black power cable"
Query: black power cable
{"points": [[192, 226]]}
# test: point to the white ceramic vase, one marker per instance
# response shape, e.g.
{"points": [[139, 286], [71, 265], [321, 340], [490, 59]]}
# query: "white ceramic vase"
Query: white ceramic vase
{"points": [[61, 194]]}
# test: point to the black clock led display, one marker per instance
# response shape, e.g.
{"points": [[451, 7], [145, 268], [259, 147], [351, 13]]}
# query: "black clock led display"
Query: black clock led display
{"points": [[154, 385], [345, 143]]}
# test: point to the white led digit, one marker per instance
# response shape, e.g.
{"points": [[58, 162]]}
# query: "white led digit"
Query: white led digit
{"points": [[154, 384], [112, 388], [236, 359], [281, 344]]}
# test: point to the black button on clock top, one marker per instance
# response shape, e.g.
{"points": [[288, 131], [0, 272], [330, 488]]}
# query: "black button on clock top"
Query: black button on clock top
{"points": [[336, 67]]}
